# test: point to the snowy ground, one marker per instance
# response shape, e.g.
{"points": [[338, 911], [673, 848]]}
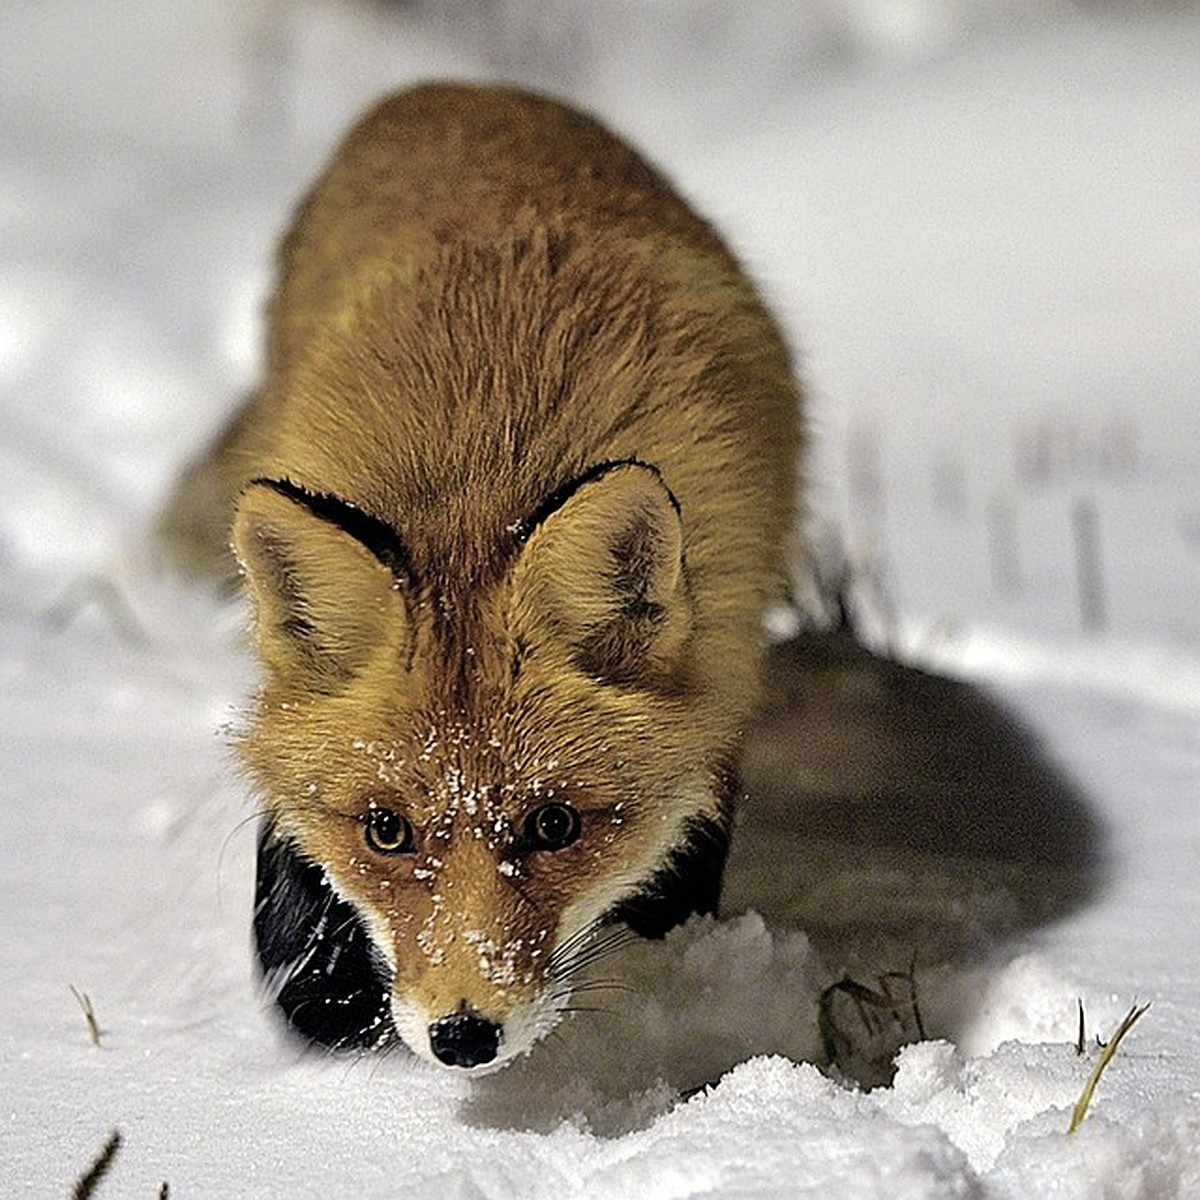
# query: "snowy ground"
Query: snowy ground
{"points": [[981, 222]]}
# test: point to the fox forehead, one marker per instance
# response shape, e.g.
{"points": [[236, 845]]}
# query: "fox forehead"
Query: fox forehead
{"points": [[448, 772], [467, 800]]}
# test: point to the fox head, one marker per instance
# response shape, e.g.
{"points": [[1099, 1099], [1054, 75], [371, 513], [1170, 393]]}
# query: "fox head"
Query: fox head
{"points": [[480, 779]]}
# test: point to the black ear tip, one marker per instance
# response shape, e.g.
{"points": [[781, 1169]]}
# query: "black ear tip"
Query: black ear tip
{"points": [[316, 956], [376, 535], [559, 496]]}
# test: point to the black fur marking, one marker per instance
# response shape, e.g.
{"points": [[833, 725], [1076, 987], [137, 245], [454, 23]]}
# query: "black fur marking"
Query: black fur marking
{"points": [[690, 884], [376, 535], [556, 499], [314, 949]]}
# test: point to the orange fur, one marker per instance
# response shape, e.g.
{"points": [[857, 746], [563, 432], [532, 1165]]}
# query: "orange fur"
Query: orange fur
{"points": [[502, 337]]}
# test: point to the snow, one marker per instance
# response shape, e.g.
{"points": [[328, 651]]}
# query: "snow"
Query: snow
{"points": [[979, 222]]}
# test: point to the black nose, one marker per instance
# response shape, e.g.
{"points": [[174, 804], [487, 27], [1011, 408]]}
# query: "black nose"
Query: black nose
{"points": [[464, 1040]]}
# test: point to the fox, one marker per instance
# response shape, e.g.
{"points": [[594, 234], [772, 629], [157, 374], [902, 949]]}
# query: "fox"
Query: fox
{"points": [[509, 505]]}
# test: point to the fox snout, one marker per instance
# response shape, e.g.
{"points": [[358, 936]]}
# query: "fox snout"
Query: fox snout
{"points": [[464, 1039]]}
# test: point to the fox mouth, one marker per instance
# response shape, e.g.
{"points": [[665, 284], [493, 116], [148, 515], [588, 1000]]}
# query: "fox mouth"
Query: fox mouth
{"points": [[467, 1040], [464, 1040]]}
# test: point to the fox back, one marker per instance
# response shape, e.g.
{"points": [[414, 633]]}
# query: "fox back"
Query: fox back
{"points": [[510, 504]]}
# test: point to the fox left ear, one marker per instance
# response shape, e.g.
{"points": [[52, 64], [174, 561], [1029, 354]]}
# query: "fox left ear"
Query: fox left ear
{"points": [[602, 578], [325, 602]]}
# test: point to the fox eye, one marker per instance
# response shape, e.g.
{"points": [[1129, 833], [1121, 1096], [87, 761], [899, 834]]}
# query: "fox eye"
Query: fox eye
{"points": [[551, 827], [387, 832]]}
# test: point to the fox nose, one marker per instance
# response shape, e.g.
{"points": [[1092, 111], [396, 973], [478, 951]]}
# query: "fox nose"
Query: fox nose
{"points": [[464, 1039]]}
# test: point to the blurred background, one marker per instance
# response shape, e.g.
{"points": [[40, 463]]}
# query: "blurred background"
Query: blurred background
{"points": [[979, 221]]}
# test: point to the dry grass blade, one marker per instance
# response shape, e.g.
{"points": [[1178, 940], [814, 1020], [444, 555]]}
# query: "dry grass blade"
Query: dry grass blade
{"points": [[1106, 1056], [90, 1180], [89, 1014]]}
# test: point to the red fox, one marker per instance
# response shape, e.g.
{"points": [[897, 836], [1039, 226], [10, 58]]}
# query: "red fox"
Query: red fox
{"points": [[509, 505]]}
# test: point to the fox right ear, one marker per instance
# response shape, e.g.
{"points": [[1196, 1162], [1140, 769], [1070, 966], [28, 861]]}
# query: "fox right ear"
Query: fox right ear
{"points": [[325, 602], [602, 578]]}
